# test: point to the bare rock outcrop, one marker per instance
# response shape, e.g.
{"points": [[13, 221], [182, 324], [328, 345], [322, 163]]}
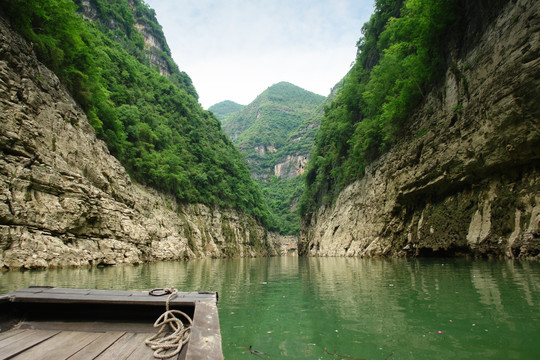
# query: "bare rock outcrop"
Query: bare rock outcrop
{"points": [[65, 201], [292, 166], [464, 180]]}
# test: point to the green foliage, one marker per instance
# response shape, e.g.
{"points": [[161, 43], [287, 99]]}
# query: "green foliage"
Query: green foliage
{"points": [[282, 196], [117, 19], [225, 110], [276, 112], [152, 124], [280, 123], [60, 39], [399, 56]]}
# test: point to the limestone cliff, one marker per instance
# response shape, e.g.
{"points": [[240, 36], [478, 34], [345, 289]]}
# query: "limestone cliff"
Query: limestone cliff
{"points": [[291, 166], [65, 201], [465, 179]]}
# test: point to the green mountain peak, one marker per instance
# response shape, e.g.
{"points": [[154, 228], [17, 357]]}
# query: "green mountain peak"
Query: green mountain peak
{"points": [[224, 109], [276, 132]]}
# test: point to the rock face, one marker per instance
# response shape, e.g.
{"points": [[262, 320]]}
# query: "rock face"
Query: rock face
{"points": [[465, 178], [289, 245], [65, 201], [154, 48], [292, 166]]}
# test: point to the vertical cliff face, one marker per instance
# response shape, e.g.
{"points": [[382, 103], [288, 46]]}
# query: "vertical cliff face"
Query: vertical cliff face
{"points": [[291, 166], [65, 201], [465, 179], [154, 47]]}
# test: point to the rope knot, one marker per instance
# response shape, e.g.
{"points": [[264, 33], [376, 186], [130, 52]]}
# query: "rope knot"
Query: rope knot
{"points": [[172, 333]]}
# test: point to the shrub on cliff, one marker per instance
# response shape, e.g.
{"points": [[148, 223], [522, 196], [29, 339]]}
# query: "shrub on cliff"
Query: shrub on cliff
{"points": [[399, 56], [153, 124]]}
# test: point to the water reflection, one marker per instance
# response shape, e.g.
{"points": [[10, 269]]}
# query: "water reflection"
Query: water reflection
{"points": [[297, 308]]}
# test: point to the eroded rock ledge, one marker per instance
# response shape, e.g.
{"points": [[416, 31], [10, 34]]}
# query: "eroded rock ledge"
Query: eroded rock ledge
{"points": [[464, 180], [65, 201]]}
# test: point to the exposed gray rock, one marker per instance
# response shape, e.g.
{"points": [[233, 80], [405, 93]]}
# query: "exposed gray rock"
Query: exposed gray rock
{"points": [[65, 201], [292, 166], [464, 179]]}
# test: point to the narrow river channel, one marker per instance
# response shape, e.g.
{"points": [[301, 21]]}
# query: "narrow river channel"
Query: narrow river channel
{"points": [[345, 308]]}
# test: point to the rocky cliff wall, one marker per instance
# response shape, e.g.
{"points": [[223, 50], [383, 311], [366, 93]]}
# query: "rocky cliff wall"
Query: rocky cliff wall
{"points": [[292, 166], [65, 201], [464, 179]]}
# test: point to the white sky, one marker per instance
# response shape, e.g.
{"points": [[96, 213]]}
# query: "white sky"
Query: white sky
{"points": [[235, 49]]}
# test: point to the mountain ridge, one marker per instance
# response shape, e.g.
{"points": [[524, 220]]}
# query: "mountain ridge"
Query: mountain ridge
{"points": [[224, 109], [263, 129], [275, 132], [110, 60]]}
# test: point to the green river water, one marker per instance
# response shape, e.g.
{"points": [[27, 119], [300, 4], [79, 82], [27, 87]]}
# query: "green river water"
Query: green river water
{"points": [[345, 308]]}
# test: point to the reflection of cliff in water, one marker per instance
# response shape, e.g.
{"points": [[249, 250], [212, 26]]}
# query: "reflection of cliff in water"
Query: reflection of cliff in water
{"points": [[366, 308], [385, 299], [503, 288], [354, 288]]}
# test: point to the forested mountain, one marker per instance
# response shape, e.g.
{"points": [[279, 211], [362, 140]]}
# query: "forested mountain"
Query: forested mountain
{"points": [[276, 132], [113, 58], [224, 109], [265, 126], [399, 57], [431, 146]]}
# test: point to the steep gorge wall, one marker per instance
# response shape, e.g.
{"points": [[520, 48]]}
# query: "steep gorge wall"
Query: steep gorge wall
{"points": [[465, 178], [65, 201]]}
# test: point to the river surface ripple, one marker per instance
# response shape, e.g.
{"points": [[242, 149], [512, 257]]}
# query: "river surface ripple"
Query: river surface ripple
{"points": [[345, 308]]}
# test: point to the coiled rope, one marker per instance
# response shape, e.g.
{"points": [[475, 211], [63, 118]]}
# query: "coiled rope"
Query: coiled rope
{"points": [[173, 334]]}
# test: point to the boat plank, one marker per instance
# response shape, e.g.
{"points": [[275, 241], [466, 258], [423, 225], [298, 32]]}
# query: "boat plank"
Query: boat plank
{"points": [[16, 336], [142, 351], [23, 341], [10, 333], [100, 299], [89, 326], [68, 296], [63, 291], [33, 290], [205, 339], [125, 346], [61, 346], [44, 292], [73, 298], [118, 292], [98, 346]]}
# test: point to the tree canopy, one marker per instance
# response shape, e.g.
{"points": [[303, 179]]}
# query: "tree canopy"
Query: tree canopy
{"points": [[153, 124], [278, 125], [399, 56]]}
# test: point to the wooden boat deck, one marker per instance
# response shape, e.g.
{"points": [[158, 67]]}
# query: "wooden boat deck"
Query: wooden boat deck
{"points": [[53, 323]]}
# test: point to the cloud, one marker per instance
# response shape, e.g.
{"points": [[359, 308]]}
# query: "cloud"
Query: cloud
{"points": [[235, 49]]}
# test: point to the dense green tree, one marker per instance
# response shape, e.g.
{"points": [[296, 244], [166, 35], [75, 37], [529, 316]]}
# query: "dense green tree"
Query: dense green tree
{"points": [[225, 110], [153, 124], [398, 58], [280, 123]]}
